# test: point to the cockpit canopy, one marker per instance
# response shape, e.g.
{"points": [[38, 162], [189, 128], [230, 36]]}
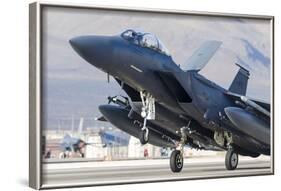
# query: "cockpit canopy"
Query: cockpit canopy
{"points": [[145, 40]]}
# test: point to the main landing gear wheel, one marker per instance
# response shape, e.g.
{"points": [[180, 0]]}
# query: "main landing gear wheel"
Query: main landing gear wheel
{"points": [[176, 161], [143, 136], [231, 160], [176, 158]]}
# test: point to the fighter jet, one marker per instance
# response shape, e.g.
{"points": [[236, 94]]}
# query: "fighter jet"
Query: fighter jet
{"points": [[171, 107], [71, 145]]}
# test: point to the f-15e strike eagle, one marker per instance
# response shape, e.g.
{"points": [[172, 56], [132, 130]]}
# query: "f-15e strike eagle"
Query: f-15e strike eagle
{"points": [[170, 107]]}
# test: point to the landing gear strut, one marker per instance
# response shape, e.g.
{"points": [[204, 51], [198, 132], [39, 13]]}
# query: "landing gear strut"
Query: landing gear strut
{"points": [[176, 158], [147, 112], [231, 159]]}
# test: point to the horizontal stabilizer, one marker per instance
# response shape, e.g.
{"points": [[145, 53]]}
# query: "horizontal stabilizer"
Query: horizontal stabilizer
{"points": [[257, 105], [202, 55]]}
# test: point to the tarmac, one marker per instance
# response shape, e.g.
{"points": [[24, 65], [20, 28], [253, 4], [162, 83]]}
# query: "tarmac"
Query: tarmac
{"points": [[76, 173]]}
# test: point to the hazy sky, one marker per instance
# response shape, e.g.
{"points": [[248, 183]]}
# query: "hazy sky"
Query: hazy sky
{"points": [[74, 87]]}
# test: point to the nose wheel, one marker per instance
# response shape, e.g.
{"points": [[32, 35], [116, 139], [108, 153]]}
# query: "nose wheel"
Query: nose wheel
{"points": [[143, 136], [231, 159], [147, 113]]}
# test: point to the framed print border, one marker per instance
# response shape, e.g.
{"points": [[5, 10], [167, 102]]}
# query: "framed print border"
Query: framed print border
{"points": [[35, 84]]}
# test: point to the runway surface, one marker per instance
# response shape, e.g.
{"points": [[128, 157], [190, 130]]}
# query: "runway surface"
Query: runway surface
{"points": [[86, 173]]}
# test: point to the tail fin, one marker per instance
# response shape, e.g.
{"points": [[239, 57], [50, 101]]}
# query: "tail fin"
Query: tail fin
{"points": [[240, 82]]}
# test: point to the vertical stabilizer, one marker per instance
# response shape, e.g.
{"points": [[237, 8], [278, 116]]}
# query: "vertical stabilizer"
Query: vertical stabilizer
{"points": [[240, 82]]}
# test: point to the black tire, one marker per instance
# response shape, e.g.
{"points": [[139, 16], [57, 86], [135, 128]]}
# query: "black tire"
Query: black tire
{"points": [[176, 161], [143, 138], [231, 160]]}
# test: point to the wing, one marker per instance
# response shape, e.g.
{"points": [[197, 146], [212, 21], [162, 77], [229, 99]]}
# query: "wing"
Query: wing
{"points": [[202, 55]]}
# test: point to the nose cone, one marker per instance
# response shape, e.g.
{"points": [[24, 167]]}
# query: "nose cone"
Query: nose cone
{"points": [[109, 111], [94, 49]]}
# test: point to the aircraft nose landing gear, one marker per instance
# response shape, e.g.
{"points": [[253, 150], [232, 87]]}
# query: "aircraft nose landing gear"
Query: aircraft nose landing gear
{"points": [[231, 159], [147, 112], [143, 136]]}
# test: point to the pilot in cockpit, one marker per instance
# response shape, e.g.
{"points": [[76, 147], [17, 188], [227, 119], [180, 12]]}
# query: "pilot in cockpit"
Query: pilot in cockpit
{"points": [[145, 40]]}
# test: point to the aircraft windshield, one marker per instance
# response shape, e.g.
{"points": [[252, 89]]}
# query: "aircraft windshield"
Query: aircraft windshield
{"points": [[145, 40]]}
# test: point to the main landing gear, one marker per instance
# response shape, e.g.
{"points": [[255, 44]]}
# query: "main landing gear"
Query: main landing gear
{"points": [[176, 161], [231, 159], [224, 139], [147, 113], [176, 158]]}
